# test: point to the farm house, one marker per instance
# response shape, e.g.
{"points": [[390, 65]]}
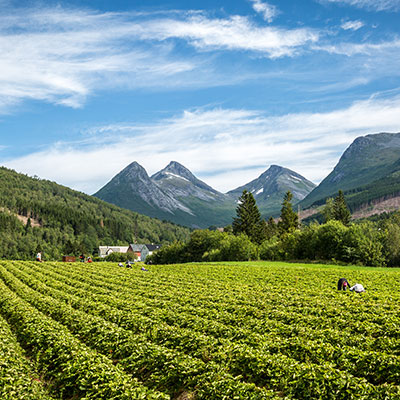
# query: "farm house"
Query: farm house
{"points": [[104, 251]]}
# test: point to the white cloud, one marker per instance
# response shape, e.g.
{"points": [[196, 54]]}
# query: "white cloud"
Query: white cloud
{"points": [[377, 50], [63, 55], [352, 25], [224, 147], [235, 33], [268, 11], [377, 5]]}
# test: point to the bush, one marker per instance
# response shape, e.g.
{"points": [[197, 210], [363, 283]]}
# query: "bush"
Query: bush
{"points": [[363, 245], [174, 253], [120, 257], [269, 249], [238, 248], [329, 241]]}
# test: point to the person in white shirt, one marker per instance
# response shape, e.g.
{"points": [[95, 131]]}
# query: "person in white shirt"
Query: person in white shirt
{"points": [[39, 257], [358, 288]]}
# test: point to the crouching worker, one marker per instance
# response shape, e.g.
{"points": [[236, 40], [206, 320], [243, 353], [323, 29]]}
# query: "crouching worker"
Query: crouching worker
{"points": [[343, 284], [358, 288]]}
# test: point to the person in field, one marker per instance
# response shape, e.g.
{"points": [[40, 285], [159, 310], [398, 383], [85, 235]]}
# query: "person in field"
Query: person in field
{"points": [[39, 256], [120, 264], [343, 284], [358, 288]]}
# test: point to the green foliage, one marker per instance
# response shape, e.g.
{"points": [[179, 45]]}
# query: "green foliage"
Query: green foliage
{"points": [[174, 253], [62, 221], [270, 228], [248, 219], [233, 248], [205, 245], [363, 244], [327, 211], [340, 211], [18, 378], [121, 257], [264, 331], [270, 249], [289, 219], [391, 242]]}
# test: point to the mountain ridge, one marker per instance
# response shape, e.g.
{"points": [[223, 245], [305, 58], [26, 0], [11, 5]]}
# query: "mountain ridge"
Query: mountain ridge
{"points": [[369, 164], [194, 202]]}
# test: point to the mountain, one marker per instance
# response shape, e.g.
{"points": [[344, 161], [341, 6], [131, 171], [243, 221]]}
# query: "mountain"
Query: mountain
{"points": [[133, 186], [270, 187], [173, 194], [178, 181], [36, 213], [369, 170]]}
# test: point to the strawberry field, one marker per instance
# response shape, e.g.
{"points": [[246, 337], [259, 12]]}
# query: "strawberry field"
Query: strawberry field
{"points": [[197, 331]]}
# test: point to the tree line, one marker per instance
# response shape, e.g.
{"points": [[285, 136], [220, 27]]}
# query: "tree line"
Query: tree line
{"points": [[69, 222], [337, 239]]}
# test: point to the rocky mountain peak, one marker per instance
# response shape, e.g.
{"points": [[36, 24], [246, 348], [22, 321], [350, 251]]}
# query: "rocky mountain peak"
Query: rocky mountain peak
{"points": [[174, 169], [134, 171], [180, 173]]}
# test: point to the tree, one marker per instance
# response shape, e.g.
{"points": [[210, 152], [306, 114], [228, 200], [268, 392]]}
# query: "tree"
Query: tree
{"points": [[248, 220], [271, 229], [340, 210], [289, 221], [327, 211]]}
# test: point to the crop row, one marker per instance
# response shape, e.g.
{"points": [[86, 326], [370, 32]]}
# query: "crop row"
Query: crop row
{"points": [[244, 327], [256, 304], [157, 366], [249, 361], [74, 369], [18, 377]]}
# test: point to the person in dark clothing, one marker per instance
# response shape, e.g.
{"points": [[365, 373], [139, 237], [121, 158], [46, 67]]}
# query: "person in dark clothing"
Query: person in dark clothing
{"points": [[343, 284]]}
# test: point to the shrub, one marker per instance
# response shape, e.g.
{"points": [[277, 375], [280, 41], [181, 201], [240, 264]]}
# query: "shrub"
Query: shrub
{"points": [[121, 257]]}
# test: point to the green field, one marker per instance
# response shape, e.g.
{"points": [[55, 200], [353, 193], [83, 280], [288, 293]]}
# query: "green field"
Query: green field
{"points": [[257, 330]]}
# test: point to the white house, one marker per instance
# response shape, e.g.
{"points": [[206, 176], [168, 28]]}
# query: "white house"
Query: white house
{"points": [[104, 251]]}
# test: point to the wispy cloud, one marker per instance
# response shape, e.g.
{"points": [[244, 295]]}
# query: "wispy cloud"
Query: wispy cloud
{"points": [[268, 11], [234, 33], [352, 25], [369, 49], [376, 5], [225, 147], [63, 55]]}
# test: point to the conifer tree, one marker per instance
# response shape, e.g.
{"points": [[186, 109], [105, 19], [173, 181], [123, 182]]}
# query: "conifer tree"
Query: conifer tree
{"points": [[340, 210], [248, 218], [327, 211], [271, 228], [289, 220]]}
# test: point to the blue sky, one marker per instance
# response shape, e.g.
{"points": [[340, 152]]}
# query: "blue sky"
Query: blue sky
{"points": [[226, 88]]}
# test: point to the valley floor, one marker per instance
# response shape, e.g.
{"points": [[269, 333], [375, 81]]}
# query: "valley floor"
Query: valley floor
{"points": [[256, 330]]}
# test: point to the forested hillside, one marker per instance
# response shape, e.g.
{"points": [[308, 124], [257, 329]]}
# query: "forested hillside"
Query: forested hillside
{"points": [[369, 170], [37, 214]]}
